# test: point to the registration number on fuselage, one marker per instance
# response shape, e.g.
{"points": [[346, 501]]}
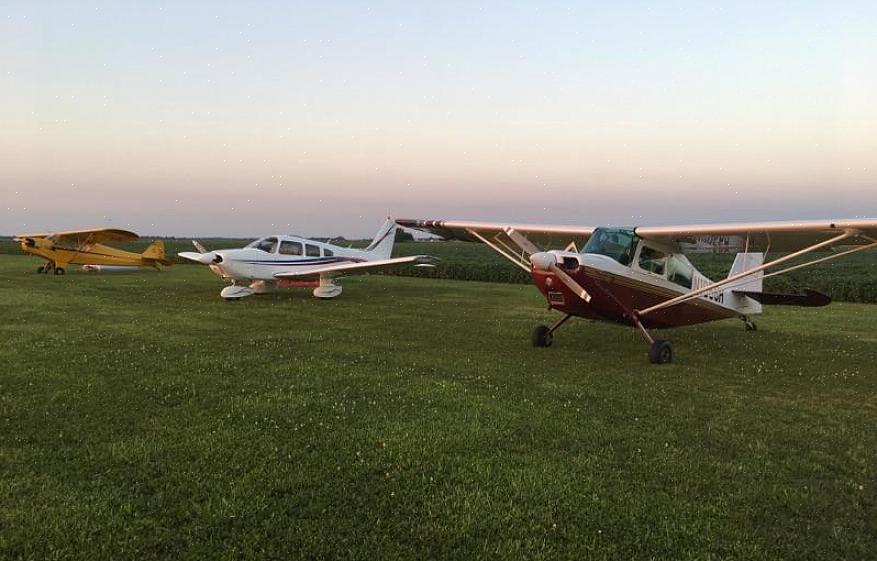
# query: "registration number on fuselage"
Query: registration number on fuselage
{"points": [[717, 296]]}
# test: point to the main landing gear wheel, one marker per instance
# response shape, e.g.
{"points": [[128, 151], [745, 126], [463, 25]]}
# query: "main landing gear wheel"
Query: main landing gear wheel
{"points": [[661, 352], [59, 270], [541, 336], [41, 269], [750, 326]]}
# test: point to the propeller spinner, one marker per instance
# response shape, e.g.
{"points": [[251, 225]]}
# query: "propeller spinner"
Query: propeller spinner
{"points": [[544, 261]]}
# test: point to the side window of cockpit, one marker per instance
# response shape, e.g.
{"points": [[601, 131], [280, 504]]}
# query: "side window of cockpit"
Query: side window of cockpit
{"points": [[290, 248], [312, 250], [328, 252], [268, 245], [679, 271], [652, 260]]}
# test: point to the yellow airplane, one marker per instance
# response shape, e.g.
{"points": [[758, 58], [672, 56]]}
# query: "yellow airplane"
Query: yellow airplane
{"points": [[88, 247]]}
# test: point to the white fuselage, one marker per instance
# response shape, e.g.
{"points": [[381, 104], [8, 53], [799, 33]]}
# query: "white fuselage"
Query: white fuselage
{"points": [[281, 260], [264, 258]]}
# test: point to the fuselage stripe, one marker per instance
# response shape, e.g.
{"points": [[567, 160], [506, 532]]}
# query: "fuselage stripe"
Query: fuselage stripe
{"points": [[308, 261]]}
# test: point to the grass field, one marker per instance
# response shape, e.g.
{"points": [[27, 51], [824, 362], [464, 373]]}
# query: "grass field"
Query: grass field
{"points": [[141, 417]]}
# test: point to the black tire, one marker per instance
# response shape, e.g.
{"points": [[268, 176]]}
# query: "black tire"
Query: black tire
{"points": [[541, 336], [59, 270], [41, 269], [750, 326], [661, 352]]}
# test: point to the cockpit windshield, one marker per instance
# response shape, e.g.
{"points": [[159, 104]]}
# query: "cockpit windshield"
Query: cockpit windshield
{"points": [[265, 244], [617, 243]]}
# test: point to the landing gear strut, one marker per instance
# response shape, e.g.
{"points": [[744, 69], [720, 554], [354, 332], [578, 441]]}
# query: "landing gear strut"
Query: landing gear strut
{"points": [[235, 291], [660, 351], [328, 288], [543, 336]]}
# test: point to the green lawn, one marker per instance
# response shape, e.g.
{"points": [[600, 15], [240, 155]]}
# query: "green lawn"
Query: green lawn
{"points": [[141, 417]]}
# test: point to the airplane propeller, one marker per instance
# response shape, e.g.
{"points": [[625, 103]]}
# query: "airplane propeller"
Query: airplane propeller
{"points": [[522, 241], [203, 256], [27, 241], [544, 261], [199, 246]]}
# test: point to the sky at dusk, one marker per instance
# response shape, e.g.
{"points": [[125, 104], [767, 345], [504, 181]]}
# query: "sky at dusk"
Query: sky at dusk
{"points": [[322, 118]]}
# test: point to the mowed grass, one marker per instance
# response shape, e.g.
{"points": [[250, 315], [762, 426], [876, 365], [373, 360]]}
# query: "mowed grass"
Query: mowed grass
{"points": [[141, 417]]}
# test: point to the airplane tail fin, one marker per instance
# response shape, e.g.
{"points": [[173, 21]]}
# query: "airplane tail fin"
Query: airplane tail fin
{"points": [[744, 262], [736, 294], [382, 246], [155, 251]]}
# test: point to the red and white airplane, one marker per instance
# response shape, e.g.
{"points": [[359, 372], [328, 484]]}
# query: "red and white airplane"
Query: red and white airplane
{"points": [[640, 276]]}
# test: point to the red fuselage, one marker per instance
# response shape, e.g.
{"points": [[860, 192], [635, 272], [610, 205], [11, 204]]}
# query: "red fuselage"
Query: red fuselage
{"points": [[614, 297]]}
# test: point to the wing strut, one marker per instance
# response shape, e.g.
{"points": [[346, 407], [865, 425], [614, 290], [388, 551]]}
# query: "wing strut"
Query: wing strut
{"points": [[710, 287], [504, 251]]}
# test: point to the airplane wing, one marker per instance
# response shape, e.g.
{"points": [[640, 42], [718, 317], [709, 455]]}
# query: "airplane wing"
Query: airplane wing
{"points": [[356, 268], [544, 236], [762, 236], [88, 236]]}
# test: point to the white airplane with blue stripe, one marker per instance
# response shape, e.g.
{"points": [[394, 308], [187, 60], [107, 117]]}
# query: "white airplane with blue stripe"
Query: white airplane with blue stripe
{"points": [[273, 261]]}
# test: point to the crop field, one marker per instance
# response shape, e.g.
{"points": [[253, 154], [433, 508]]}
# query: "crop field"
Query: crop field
{"points": [[850, 279], [142, 417]]}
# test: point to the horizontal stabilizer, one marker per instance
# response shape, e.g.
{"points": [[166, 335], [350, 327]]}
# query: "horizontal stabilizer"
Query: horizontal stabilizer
{"points": [[810, 298]]}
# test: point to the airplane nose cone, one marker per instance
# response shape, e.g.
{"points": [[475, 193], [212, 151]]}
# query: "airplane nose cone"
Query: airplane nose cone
{"points": [[210, 258], [543, 261]]}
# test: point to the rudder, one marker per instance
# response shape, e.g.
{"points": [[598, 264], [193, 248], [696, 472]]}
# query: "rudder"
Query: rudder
{"points": [[382, 245], [155, 251], [744, 262], [733, 293]]}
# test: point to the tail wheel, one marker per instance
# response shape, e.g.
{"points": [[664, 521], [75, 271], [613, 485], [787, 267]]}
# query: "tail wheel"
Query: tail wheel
{"points": [[59, 270], [661, 352], [541, 336]]}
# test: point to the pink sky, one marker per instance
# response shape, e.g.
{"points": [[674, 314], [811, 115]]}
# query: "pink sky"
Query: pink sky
{"points": [[240, 120]]}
